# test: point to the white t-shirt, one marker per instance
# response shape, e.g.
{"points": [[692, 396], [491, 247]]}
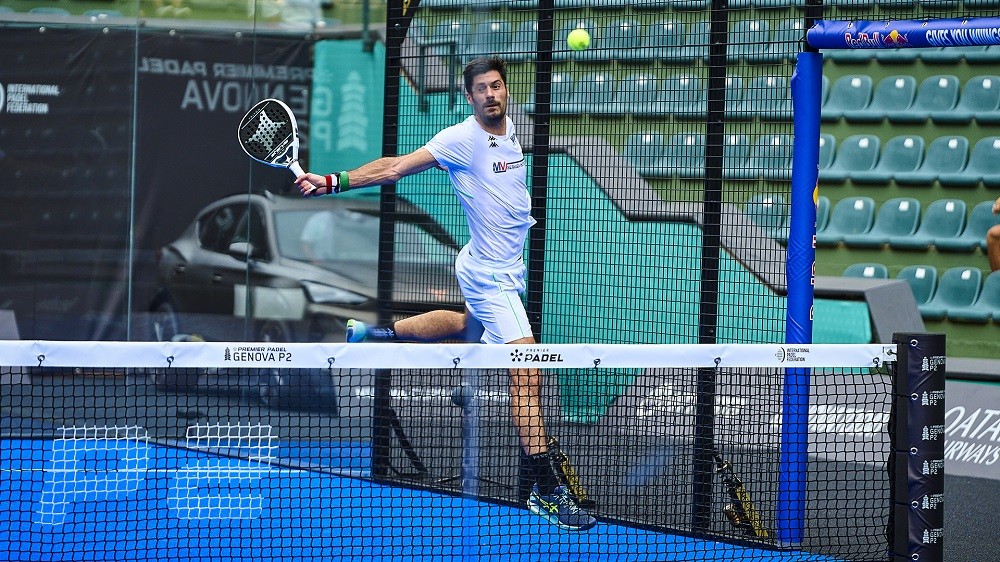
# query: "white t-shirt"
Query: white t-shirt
{"points": [[488, 175]]}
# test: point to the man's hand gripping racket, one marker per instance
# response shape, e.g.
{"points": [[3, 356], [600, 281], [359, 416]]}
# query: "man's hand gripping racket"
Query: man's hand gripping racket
{"points": [[269, 134]]}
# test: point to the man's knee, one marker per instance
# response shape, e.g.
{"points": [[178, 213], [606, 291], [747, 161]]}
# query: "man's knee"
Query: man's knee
{"points": [[993, 235]]}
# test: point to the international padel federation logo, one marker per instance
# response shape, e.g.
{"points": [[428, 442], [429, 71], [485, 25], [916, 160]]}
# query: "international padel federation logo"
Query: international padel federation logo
{"points": [[791, 354]]}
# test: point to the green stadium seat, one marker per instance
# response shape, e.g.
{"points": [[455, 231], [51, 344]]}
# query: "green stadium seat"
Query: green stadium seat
{"points": [[945, 155], [694, 43], [690, 4], [892, 94], [900, 55], [747, 38], [851, 56], [822, 212], [682, 96], [973, 235], [957, 288], [563, 94], [950, 55], [827, 150], [648, 4], [595, 94], [983, 166], [981, 94], [622, 39], [663, 40], [684, 155], [454, 30], [769, 211], [979, 4], [896, 4], [867, 271], [856, 153], [738, 4], [639, 95], [987, 304], [922, 280], [768, 97], [645, 152], [562, 52], [851, 215], [896, 217], [570, 4], [489, 37], [769, 158], [735, 92], [522, 47], [519, 4], [943, 219], [735, 153], [937, 94], [852, 92], [786, 40], [938, 4], [902, 153], [990, 55]]}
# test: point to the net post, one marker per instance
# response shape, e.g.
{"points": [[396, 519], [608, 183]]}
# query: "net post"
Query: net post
{"points": [[916, 463], [801, 258]]}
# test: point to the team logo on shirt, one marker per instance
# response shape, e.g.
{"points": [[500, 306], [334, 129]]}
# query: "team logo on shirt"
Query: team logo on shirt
{"points": [[501, 167], [493, 142]]}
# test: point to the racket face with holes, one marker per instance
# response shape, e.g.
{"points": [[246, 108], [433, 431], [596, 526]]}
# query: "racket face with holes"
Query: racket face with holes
{"points": [[268, 133]]}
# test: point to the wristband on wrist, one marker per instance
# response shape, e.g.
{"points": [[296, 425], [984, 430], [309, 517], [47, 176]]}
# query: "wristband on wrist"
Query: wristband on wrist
{"points": [[329, 182], [343, 182]]}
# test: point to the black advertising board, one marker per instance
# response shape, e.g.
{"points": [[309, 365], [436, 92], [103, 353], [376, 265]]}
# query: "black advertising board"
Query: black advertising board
{"points": [[110, 141]]}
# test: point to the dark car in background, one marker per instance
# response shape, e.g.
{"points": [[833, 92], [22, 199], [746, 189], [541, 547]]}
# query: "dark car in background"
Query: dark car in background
{"points": [[272, 268]]}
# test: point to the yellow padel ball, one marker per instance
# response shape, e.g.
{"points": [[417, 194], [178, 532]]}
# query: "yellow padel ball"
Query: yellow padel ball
{"points": [[578, 39]]}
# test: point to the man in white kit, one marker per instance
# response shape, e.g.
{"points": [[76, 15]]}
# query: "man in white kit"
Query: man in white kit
{"points": [[488, 173]]}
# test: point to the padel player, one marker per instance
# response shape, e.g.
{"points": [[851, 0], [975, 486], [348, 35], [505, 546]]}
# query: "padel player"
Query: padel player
{"points": [[488, 173]]}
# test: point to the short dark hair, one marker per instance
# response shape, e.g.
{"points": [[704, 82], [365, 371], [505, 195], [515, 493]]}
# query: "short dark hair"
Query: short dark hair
{"points": [[482, 65]]}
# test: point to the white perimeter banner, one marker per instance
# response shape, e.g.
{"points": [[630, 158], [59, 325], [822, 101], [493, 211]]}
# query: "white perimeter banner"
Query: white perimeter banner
{"points": [[972, 429], [88, 354]]}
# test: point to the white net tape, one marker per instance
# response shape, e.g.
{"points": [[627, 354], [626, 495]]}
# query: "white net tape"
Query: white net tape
{"points": [[437, 356]]}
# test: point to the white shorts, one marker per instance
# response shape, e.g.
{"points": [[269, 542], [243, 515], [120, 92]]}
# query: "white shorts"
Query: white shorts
{"points": [[493, 296]]}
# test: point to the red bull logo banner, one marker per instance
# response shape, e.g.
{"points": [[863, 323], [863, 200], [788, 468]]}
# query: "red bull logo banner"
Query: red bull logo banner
{"points": [[831, 34]]}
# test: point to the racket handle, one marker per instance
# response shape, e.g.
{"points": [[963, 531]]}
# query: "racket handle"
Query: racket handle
{"points": [[296, 169]]}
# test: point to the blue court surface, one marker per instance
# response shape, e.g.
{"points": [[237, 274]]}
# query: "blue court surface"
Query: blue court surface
{"points": [[130, 500]]}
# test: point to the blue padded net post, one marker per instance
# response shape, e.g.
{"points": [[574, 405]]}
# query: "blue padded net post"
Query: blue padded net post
{"points": [[801, 258]]}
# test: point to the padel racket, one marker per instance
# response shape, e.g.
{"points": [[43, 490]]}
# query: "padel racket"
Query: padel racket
{"points": [[268, 134]]}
